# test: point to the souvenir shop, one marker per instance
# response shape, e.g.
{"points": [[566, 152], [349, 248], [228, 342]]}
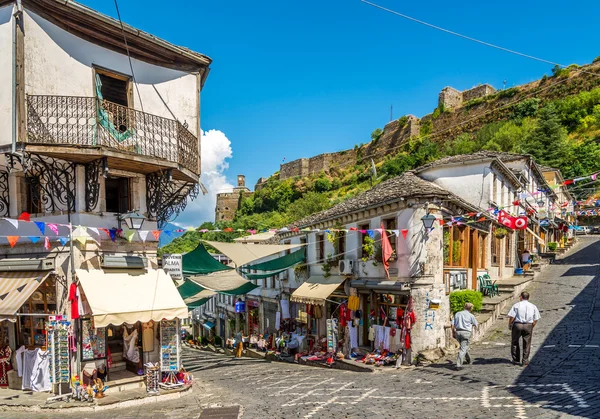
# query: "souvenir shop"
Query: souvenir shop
{"points": [[35, 351], [128, 324]]}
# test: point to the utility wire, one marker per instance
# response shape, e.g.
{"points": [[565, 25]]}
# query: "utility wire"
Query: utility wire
{"points": [[488, 44], [128, 55]]}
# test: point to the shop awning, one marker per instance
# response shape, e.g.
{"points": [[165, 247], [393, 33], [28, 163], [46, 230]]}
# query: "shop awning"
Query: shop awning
{"points": [[200, 262], [229, 282], [279, 263], [128, 296], [316, 289], [199, 299], [243, 253], [15, 288], [208, 325], [264, 274]]}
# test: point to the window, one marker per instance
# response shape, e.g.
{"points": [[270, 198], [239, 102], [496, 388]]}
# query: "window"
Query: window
{"points": [[34, 195], [495, 249], [117, 195], [390, 224], [502, 202], [341, 244], [115, 88], [320, 247], [508, 249], [455, 246], [364, 228]]}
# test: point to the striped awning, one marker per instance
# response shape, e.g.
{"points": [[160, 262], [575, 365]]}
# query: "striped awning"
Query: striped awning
{"points": [[15, 289]]}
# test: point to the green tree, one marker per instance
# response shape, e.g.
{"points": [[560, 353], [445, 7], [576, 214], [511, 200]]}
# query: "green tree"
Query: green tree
{"points": [[548, 140], [463, 144], [310, 203], [376, 134]]}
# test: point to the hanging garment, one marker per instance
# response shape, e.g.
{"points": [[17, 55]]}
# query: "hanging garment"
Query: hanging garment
{"points": [[29, 358], [317, 312], [19, 356], [343, 310], [130, 351], [40, 378], [148, 336], [353, 332], [371, 333], [285, 308], [386, 338], [5, 366], [74, 301], [277, 320], [79, 303]]}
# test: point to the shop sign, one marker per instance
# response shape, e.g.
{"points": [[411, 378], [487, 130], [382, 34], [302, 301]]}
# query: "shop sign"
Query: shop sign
{"points": [[240, 306], [173, 265]]}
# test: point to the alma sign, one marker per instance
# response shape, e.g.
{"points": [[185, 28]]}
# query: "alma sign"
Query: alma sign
{"points": [[173, 265]]}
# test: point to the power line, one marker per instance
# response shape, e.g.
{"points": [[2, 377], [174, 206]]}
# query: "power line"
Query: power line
{"points": [[469, 38], [129, 55]]}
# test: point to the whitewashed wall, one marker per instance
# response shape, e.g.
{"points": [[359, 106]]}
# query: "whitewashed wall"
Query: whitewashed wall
{"points": [[59, 63], [6, 62]]}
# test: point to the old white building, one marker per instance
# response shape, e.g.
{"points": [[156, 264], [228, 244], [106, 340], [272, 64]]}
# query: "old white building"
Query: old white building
{"points": [[98, 121]]}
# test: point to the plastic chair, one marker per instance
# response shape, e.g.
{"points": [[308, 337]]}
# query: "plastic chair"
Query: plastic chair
{"points": [[492, 285], [483, 287]]}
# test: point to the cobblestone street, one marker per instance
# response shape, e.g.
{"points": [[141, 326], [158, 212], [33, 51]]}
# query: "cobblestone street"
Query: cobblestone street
{"points": [[561, 380]]}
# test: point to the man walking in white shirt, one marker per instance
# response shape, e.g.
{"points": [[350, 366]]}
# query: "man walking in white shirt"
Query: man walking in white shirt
{"points": [[522, 318]]}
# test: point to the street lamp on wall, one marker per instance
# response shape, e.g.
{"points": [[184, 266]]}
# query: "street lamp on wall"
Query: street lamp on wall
{"points": [[133, 220], [428, 220]]}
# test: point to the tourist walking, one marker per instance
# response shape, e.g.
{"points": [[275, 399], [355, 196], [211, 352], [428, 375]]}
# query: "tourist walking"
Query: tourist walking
{"points": [[462, 329], [522, 318], [239, 344]]}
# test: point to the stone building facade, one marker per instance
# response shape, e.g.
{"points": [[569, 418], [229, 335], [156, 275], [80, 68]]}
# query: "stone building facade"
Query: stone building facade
{"points": [[450, 98], [229, 202]]}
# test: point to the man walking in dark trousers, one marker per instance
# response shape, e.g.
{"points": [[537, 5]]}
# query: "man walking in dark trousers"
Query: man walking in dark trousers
{"points": [[522, 318]]}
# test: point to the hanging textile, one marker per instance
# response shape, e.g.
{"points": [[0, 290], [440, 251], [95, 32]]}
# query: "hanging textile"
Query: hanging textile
{"points": [[105, 119], [5, 366], [200, 262], [229, 283], [283, 262]]}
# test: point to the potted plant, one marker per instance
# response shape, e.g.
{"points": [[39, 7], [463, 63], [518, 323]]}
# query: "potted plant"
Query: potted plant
{"points": [[500, 232], [552, 246]]}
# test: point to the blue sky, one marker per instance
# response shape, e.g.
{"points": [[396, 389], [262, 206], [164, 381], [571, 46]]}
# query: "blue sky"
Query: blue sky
{"points": [[293, 79]]}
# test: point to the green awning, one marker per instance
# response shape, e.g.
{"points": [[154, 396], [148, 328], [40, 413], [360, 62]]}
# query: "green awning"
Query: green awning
{"points": [[264, 274], [279, 263], [189, 289], [200, 262], [198, 303], [244, 289]]}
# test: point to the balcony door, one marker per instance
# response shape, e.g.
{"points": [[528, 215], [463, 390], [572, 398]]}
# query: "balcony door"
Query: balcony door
{"points": [[116, 95]]}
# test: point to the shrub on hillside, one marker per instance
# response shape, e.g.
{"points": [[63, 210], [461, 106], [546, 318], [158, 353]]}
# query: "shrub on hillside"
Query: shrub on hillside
{"points": [[322, 185], [459, 298]]}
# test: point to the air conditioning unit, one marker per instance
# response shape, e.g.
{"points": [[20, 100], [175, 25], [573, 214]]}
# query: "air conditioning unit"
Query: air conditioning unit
{"points": [[27, 264], [124, 262], [346, 267]]}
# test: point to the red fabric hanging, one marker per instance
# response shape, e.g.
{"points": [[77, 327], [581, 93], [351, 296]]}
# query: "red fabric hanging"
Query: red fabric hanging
{"points": [[74, 301]]}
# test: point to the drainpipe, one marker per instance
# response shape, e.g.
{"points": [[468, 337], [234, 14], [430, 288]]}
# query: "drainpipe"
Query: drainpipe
{"points": [[16, 15]]}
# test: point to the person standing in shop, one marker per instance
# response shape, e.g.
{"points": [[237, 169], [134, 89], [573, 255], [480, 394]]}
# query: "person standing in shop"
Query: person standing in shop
{"points": [[462, 329], [522, 318]]}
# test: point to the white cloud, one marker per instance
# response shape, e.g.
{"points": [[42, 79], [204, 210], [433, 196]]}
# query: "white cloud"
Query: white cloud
{"points": [[215, 150]]}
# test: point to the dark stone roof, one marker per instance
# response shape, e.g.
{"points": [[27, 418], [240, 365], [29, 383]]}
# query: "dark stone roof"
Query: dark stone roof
{"points": [[547, 168], [407, 185], [465, 158]]}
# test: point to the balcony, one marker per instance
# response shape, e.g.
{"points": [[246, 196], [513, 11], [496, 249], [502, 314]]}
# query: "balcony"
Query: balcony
{"points": [[86, 128]]}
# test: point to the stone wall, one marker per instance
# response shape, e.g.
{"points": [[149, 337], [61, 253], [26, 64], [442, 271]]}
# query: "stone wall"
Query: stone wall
{"points": [[294, 168], [450, 98], [227, 204], [477, 92]]}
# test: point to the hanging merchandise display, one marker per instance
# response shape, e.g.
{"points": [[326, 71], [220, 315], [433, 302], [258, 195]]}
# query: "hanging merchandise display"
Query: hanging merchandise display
{"points": [[58, 345], [332, 333], [169, 346], [93, 341], [152, 377]]}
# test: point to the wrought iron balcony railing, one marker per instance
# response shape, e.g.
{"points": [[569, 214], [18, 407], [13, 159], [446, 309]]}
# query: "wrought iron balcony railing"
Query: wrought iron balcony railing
{"points": [[89, 122]]}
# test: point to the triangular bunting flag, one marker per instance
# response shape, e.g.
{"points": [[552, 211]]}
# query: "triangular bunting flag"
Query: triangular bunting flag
{"points": [[156, 234], [53, 227], [24, 217], [46, 243], [81, 239], [14, 222], [93, 230], [12, 240], [143, 234], [404, 233], [105, 230], [441, 222], [129, 235], [41, 225], [34, 239], [113, 234], [63, 240], [3, 296], [168, 232]]}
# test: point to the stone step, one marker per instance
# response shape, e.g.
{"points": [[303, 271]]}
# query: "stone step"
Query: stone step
{"points": [[118, 366], [117, 356]]}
